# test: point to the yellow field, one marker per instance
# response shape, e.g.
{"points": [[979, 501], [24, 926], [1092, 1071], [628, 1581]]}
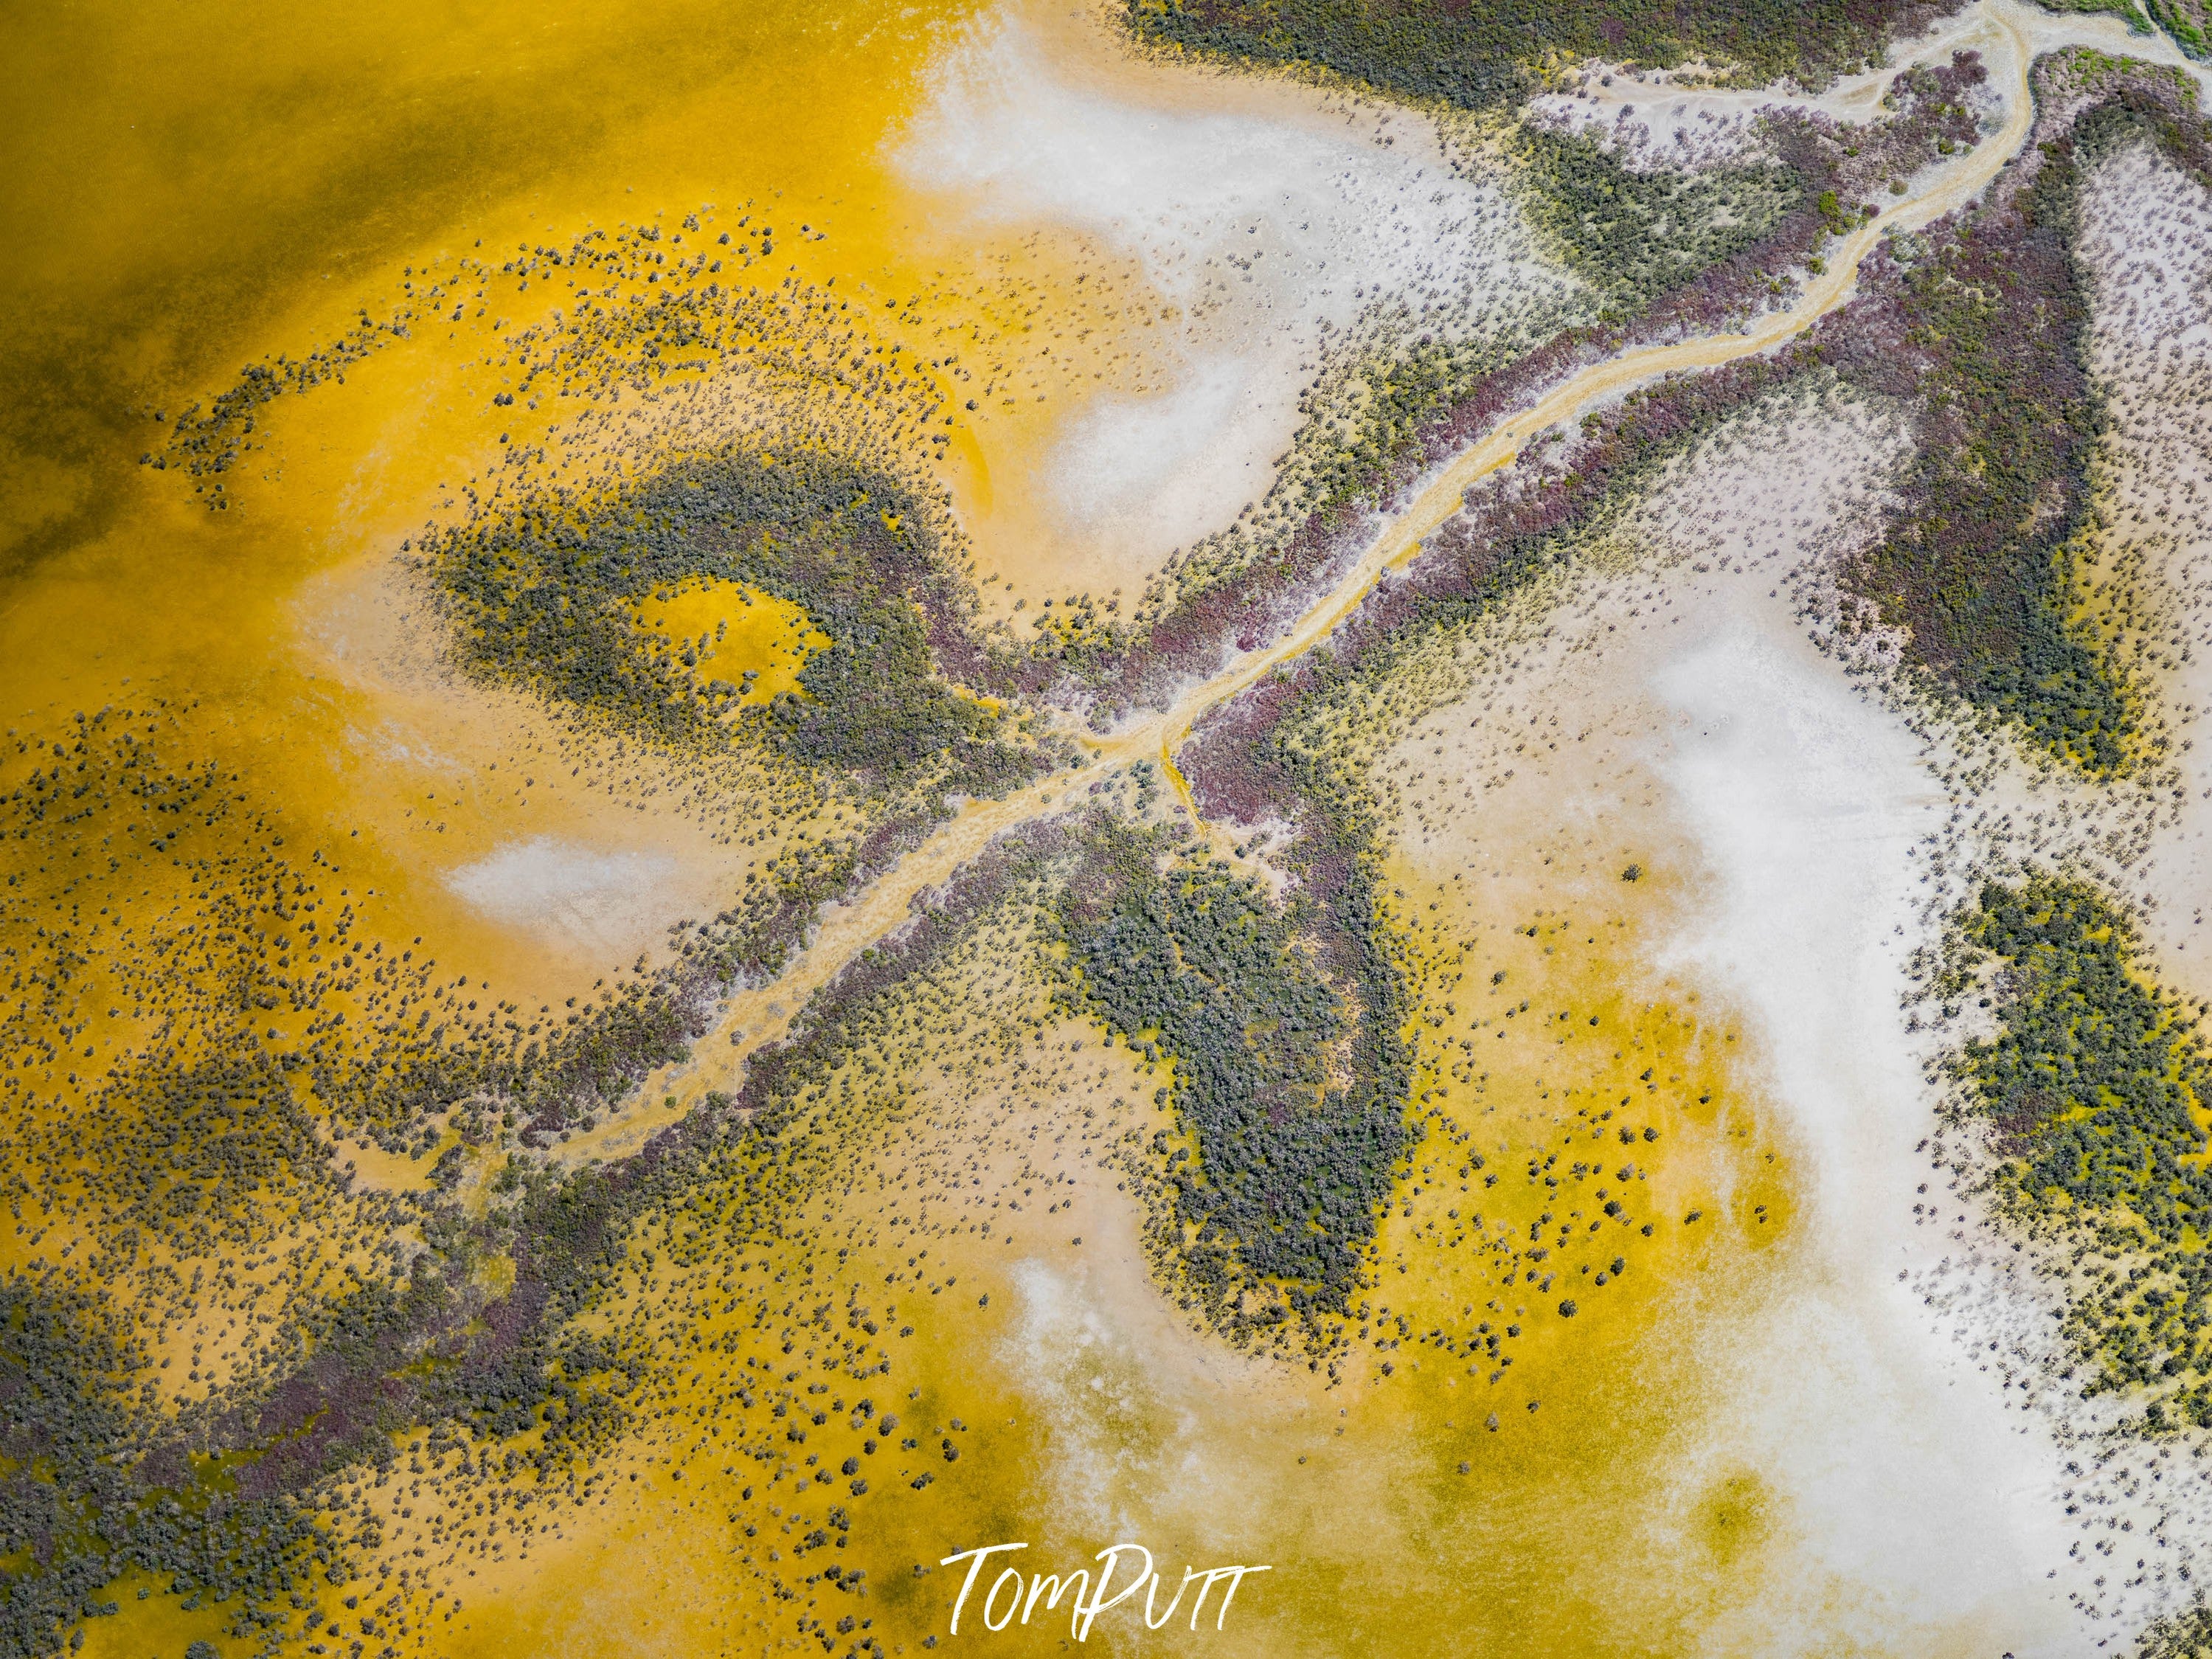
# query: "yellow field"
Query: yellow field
{"points": [[830, 1247]]}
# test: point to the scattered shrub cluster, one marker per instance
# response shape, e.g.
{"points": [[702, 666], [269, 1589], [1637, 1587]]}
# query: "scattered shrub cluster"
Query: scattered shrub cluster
{"points": [[1483, 58], [2096, 1084], [1431, 396], [1985, 322], [1693, 247], [546, 594], [270, 1007], [173, 1161], [200, 1149], [1282, 1022], [2184, 19], [1634, 234], [2186, 1634], [206, 445], [1295, 1132], [81, 1501], [1983, 318], [642, 309]]}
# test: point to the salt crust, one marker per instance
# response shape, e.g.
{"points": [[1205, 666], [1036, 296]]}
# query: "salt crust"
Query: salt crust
{"points": [[609, 903], [1891, 1380], [1269, 221]]}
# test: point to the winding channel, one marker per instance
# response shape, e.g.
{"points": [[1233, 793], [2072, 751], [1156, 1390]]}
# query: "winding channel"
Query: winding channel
{"points": [[753, 1018]]}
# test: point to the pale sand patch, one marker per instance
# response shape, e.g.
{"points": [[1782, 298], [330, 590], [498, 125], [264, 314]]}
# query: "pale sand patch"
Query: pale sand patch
{"points": [[1913, 1494], [1816, 927], [1135, 1414], [1671, 119], [592, 901], [1146, 1424], [1262, 214], [1909, 1513], [2140, 1521], [2130, 1516], [1116, 464], [530, 845]]}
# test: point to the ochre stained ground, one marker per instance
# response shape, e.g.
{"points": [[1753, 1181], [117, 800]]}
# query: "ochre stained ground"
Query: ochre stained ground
{"points": [[947, 1239]]}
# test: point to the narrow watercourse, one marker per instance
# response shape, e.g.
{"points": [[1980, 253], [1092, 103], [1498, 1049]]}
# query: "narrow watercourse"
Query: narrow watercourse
{"points": [[2010, 37]]}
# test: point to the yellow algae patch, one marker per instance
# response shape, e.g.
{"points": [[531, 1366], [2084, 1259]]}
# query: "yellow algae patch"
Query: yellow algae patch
{"points": [[1595, 1189], [147, 1619], [843, 1349], [948, 1282], [1733, 1516], [1591, 1186], [494, 1276], [920, 1317], [380, 1170], [951, 1200], [732, 631], [977, 1211]]}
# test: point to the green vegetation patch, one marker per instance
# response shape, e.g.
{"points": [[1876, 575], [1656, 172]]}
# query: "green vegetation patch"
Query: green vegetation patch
{"points": [[546, 595], [1294, 1130], [86, 1496], [1372, 420], [2096, 1079], [1977, 565], [2186, 1634], [2184, 19], [1484, 57], [2096, 1084], [1989, 328], [1633, 234]]}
